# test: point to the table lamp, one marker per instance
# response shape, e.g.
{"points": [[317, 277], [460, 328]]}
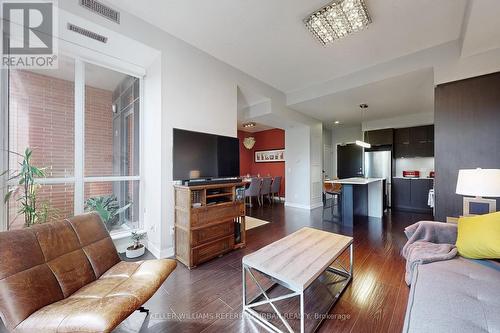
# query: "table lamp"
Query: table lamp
{"points": [[478, 183]]}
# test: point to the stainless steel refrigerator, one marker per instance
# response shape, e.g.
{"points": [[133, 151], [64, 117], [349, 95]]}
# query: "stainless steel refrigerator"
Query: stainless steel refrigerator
{"points": [[378, 164]]}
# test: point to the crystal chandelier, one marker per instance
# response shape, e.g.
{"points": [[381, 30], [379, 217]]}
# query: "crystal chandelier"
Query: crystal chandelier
{"points": [[337, 20]]}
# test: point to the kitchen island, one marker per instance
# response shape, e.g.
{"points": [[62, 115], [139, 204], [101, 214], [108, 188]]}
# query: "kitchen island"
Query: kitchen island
{"points": [[360, 197]]}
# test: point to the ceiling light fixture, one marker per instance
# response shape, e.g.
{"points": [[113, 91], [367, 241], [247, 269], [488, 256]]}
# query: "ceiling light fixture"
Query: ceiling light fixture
{"points": [[336, 122], [249, 125], [359, 142], [337, 20]]}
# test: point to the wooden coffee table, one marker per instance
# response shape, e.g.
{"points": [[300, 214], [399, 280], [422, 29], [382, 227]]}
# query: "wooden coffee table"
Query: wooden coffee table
{"points": [[295, 262]]}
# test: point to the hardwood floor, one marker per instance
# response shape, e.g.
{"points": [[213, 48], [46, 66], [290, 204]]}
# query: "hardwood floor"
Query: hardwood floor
{"points": [[208, 298]]}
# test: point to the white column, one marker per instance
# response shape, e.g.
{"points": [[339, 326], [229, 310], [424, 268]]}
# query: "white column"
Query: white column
{"points": [[79, 135]]}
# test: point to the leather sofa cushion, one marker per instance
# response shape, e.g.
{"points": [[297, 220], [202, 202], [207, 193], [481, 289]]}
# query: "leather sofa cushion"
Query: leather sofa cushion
{"points": [[64, 256], [19, 251], [56, 239], [101, 305], [72, 271], [48, 262], [27, 291], [95, 241]]}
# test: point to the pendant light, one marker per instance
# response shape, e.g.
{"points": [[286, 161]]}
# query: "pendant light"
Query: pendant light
{"points": [[359, 142]]}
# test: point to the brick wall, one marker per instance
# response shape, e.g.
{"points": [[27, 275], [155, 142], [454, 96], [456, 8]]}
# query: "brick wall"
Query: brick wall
{"points": [[41, 116]]}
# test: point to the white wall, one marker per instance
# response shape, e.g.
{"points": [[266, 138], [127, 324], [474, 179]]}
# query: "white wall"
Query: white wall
{"points": [[410, 120], [316, 162], [297, 167], [198, 92], [151, 188], [341, 135]]}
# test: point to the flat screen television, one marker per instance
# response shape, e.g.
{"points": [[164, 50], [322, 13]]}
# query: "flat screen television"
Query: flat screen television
{"points": [[202, 155]]}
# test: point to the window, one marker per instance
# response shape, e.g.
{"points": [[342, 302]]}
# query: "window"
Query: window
{"points": [[82, 122]]}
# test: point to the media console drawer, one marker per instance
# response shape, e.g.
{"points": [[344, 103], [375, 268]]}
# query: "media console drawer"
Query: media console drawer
{"points": [[210, 214], [211, 250], [208, 234]]}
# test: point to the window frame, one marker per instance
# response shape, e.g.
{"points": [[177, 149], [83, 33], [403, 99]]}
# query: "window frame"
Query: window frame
{"points": [[78, 179]]}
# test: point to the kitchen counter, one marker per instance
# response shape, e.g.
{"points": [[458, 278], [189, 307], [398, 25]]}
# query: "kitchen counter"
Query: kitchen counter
{"points": [[416, 178], [355, 181], [361, 197]]}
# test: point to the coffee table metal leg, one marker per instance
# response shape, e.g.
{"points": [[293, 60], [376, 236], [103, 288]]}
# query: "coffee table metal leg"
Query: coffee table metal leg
{"points": [[244, 286], [348, 274], [351, 259], [302, 314]]}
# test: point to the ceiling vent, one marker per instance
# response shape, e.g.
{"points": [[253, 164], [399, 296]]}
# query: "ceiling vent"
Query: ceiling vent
{"points": [[101, 9], [87, 33]]}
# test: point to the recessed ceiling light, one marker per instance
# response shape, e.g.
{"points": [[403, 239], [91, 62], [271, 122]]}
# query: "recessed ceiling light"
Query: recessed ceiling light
{"points": [[338, 19], [336, 122], [249, 125], [363, 106]]}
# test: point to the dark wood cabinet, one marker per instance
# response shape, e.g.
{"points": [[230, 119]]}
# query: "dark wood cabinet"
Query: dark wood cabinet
{"points": [[411, 194], [418, 134], [400, 193], [414, 142], [402, 136], [380, 137]]}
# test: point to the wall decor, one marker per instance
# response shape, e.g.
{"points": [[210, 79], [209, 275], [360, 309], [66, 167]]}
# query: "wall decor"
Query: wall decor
{"points": [[249, 142], [266, 156]]}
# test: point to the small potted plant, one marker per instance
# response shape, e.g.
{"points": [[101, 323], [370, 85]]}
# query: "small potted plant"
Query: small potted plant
{"points": [[137, 249]]}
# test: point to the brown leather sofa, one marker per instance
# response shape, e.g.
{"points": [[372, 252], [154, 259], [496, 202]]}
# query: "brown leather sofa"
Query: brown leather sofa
{"points": [[67, 277]]}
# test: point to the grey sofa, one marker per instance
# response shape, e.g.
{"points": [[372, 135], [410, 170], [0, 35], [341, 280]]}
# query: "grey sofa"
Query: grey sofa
{"points": [[457, 295]]}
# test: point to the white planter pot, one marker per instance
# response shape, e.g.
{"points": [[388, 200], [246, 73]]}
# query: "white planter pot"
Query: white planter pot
{"points": [[131, 253]]}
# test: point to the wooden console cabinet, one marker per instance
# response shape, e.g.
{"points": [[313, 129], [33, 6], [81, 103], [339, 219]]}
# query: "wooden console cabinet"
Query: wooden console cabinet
{"points": [[209, 221]]}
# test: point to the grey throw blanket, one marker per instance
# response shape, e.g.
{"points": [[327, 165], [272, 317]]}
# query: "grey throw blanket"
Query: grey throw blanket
{"points": [[428, 242]]}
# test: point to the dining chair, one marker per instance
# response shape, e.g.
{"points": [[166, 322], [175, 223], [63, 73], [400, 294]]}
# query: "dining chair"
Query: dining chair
{"points": [[265, 189], [253, 190], [275, 187]]}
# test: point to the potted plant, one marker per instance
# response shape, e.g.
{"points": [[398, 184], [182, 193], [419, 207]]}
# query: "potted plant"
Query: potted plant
{"points": [[34, 210], [108, 209], [137, 249]]}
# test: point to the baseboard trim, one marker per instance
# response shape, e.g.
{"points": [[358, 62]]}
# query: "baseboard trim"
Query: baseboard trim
{"points": [[167, 253], [153, 249], [297, 205], [164, 253]]}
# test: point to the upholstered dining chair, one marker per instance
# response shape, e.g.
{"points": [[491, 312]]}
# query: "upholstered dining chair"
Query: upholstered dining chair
{"points": [[253, 190], [275, 188], [265, 189]]}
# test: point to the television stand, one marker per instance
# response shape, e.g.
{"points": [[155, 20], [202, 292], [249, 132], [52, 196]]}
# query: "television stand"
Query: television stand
{"points": [[209, 221]]}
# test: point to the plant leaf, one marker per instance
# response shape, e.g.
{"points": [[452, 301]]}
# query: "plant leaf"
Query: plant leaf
{"points": [[7, 196]]}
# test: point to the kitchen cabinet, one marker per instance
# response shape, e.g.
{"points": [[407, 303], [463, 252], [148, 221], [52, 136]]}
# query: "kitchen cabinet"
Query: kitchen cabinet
{"points": [[402, 136], [380, 137], [414, 141], [411, 194]]}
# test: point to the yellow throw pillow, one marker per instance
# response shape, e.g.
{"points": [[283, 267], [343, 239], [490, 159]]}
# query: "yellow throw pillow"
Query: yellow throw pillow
{"points": [[478, 237]]}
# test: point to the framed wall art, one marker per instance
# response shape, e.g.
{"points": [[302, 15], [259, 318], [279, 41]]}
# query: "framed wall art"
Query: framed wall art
{"points": [[266, 156]]}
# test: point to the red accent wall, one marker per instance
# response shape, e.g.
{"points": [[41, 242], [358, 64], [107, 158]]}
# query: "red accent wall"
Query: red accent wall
{"points": [[265, 140]]}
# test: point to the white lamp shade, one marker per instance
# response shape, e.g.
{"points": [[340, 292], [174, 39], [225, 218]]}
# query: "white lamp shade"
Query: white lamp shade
{"points": [[479, 182]]}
